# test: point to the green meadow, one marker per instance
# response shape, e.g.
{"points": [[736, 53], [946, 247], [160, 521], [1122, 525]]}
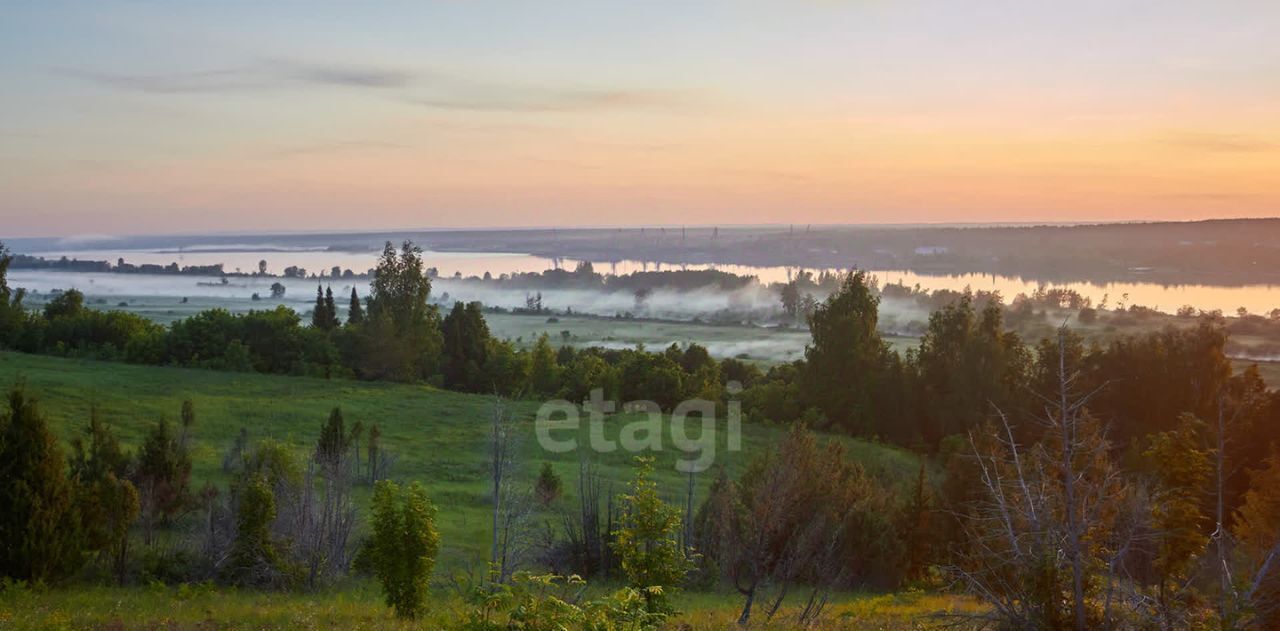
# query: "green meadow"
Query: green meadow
{"points": [[437, 437]]}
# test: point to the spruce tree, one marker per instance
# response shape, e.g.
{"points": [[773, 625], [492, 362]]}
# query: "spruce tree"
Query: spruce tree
{"points": [[318, 316], [355, 313], [330, 310], [39, 526]]}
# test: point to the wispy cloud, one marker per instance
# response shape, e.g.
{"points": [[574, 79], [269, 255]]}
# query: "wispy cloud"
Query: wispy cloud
{"points": [[342, 75], [1214, 142], [428, 88], [224, 80], [342, 146], [262, 75], [524, 98]]}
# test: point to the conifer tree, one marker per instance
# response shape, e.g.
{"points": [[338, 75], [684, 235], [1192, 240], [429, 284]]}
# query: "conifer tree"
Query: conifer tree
{"points": [[355, 312], [318, 315], [1182, 476], [330, 310], [39, 526]]}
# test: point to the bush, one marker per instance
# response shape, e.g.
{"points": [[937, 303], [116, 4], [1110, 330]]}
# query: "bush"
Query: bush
{"points": [[546, 603], [404, 545], [38, 522], [647, 543], [548, 486]]}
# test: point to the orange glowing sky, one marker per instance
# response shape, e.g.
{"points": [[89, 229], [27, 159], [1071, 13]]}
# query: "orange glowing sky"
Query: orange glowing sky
{"points": [[138, 118]]}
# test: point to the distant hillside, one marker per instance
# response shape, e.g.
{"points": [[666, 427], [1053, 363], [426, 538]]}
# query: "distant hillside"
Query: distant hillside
{"points": [[1227, 251]]}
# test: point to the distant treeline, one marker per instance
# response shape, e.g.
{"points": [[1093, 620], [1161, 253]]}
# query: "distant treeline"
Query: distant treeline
{"points": [[968, 362]]}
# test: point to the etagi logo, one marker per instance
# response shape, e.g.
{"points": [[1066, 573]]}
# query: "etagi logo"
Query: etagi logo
{"points": [[559, 428]]}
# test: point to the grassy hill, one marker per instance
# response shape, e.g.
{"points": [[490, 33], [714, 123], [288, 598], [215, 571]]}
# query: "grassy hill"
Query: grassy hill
{"points": [[438, 437]]}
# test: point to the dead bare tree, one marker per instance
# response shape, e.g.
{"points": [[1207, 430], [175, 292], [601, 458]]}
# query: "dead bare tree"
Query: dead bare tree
{"points": [[512, 503], [1035, 536], [787, 522], [325, 530]]}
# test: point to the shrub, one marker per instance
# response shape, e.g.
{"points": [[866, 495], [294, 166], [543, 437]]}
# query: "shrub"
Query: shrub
{"points": [[404, 545], [548, 486], [647, 540], [38, 523], [547, 603]]}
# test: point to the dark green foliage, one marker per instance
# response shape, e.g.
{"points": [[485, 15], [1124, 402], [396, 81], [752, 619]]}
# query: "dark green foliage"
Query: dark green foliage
{"points": [[466, 347], [355, 311], [101, 455], [544, 370], [254, 560], [548, 486], [334, 441], [39, 524], [400, 339], [12, 315], [107, 502], [506, 369], [969, 367], [737, 370], [67, 304], [1152, 379], [163, 474], [652, 377], [846, 357], [404, 545], [330, 310], [324, 316]]}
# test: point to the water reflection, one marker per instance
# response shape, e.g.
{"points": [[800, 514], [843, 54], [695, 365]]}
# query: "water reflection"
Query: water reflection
{"points": [[1254, 298]]}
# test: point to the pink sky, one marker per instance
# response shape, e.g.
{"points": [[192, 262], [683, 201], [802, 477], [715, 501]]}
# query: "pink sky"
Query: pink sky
{"points": [[126, 119]]}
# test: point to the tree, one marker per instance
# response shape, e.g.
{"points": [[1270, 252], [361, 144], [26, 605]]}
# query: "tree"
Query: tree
{"points": [[1041, 538], [101, 454], [647, 540], [355, 312], [12, 314], [1182, 475], [401, 336], [188, 418], [967, 363], [254, 560], [105, 499], [117, 504], [324, 315], [846, 355], [325, 537], [511, 505], [1257, 528], [466, 348], [318, 317], [67, 304], [790, 296], [916, 526], [549, 485], [163, 473], [277, 290], [403, 545], [800, 513], [38, 521], [330, 310], [544, 372]]}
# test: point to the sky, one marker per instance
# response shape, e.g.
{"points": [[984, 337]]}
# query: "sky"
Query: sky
{"points": [[150, 117]]}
